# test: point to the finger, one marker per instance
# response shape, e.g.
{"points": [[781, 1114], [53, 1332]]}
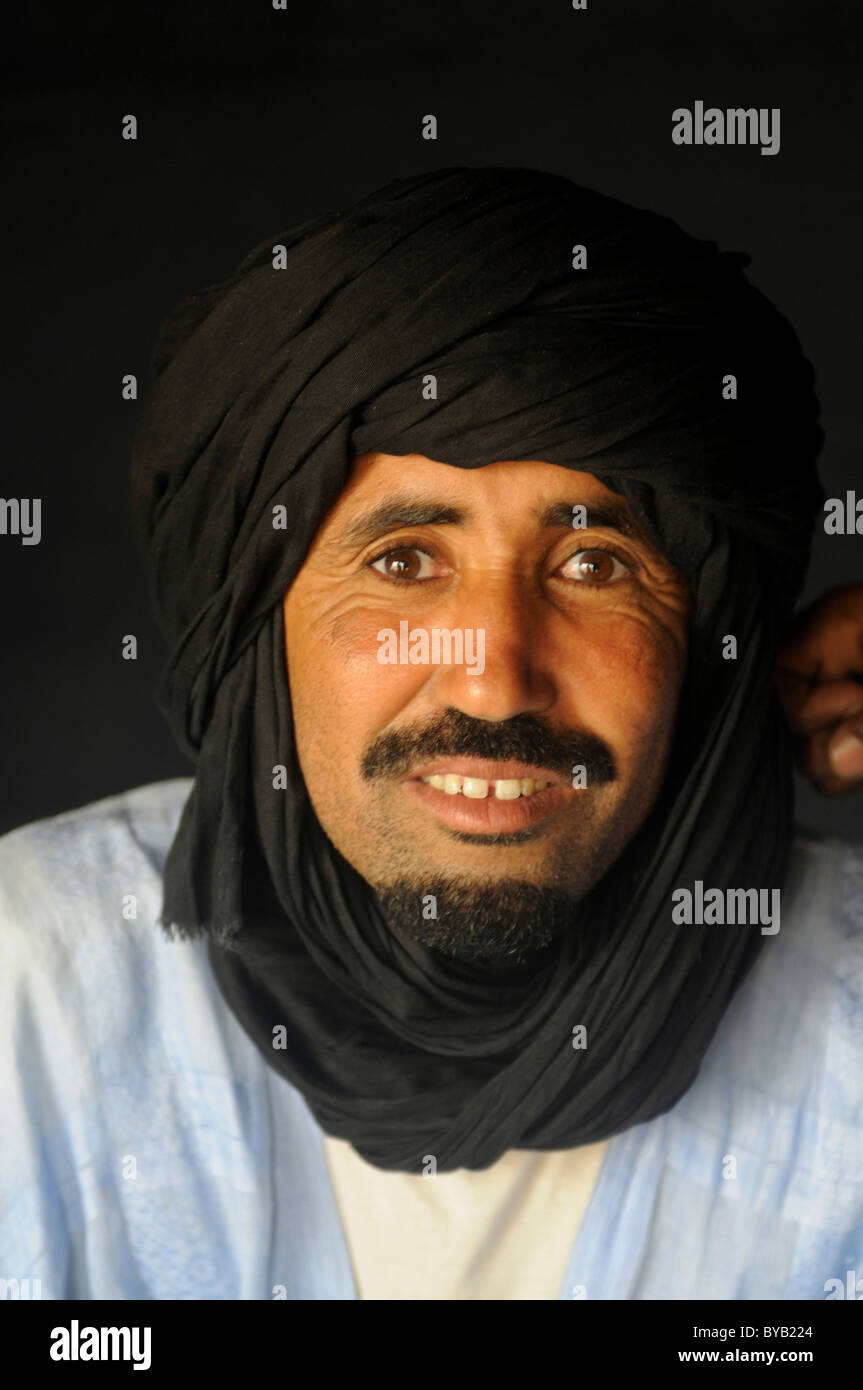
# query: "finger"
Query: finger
{"points": [[794, 691], [833, 758], [826, 641], [846, 751], [809, 708]]}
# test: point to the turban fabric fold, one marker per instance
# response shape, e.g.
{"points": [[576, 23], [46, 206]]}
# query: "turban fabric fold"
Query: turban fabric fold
{"points": [[267, 386]]}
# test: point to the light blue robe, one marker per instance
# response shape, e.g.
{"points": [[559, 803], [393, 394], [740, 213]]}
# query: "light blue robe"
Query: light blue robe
{"points": [[149, 1151]]}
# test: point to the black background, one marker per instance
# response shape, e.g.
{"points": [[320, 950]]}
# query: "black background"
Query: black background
{"points": [[250, 118]]}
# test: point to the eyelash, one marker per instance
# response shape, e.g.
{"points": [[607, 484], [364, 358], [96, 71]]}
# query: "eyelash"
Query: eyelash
{"points": [[425, 549]]}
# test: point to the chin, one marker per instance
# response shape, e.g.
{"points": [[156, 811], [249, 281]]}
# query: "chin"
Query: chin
{"points": [[501, 924]]}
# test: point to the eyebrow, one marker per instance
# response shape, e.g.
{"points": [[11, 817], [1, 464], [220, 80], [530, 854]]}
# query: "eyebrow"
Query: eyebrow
{"points": [[406, 512]]}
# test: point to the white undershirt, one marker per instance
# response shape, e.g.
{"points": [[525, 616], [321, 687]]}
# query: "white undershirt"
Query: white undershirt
{"points": [[505, 1232]]}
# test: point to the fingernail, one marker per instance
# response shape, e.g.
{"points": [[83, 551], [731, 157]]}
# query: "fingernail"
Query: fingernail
{"points": [[846, 755]]}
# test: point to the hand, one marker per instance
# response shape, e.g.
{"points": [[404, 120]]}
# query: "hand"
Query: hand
{"points": [[820, 677]]}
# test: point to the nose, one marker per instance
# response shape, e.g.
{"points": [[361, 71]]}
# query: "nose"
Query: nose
{"points": [[508, 622]]}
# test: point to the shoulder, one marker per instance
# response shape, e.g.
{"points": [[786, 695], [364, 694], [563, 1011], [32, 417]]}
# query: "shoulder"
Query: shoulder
{"points": [[825, 947], [815, 961], [83, 889], [840, 857], [119, 1065], [794, 1031], [144, 816], [79, 857], [823, 898]]}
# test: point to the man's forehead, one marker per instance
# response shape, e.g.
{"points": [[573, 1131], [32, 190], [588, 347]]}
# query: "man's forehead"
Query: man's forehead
{"points": [[379, 471], [391, 490]]}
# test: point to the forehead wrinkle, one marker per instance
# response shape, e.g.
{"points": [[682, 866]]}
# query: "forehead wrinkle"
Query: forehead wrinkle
{"points": [[417, 511]]}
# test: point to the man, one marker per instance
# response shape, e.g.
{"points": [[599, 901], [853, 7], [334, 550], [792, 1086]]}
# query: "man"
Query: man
{"points": [[492, 967]]}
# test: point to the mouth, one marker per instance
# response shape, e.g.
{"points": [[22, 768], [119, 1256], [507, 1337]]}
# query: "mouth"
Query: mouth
{"points": [[473, 794]]}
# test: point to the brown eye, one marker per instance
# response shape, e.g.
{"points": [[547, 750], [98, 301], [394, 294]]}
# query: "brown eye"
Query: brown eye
{"points": [[595, 566], [404, 563]]}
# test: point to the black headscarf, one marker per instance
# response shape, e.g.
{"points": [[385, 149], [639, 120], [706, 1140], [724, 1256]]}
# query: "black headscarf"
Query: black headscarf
{"points": [[268, 385]]}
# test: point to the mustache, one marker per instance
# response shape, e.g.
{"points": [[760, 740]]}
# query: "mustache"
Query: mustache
{"points": [[521, 739]]}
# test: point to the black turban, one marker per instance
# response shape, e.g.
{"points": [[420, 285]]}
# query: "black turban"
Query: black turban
{"points": [[268, 385]]}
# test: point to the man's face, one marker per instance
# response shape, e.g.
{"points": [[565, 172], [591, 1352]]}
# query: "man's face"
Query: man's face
{"points": [[573, 646]]}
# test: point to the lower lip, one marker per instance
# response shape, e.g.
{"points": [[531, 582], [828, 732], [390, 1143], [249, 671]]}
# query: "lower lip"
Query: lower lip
{"points": [[487, 814]]}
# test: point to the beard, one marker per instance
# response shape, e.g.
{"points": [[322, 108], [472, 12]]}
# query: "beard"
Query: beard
{"points": [[494, 923], [501, 924]]}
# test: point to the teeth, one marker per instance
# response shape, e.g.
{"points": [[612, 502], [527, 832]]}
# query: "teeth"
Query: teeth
{"points": [[477, 788], [508, 789]]}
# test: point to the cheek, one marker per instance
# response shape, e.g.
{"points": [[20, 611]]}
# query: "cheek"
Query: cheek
{"points": [[348, 647], [337, 682], [325, 643], [636, 674]]}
